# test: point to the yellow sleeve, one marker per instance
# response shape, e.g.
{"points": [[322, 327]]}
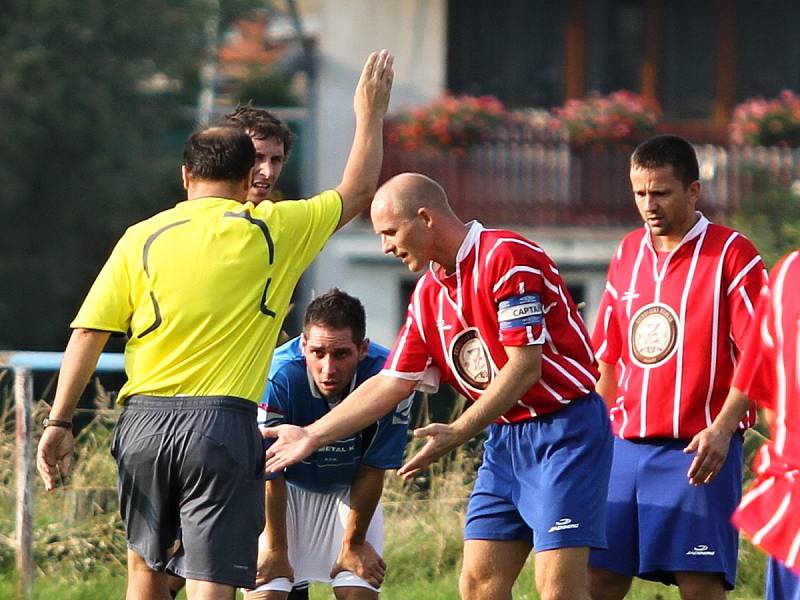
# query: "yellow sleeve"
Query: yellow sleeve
{"points": [[108, 305], [308, 223]]}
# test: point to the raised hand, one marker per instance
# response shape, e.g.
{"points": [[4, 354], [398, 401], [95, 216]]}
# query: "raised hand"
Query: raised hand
{"points": [[374, 87]]}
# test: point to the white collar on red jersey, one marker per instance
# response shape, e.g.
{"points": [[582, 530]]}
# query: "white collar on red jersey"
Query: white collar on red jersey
{"points": [[470, 240], [698, 228]]}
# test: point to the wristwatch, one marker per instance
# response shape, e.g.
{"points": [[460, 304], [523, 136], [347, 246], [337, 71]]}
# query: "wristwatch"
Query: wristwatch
{"points": [[48, 422]]}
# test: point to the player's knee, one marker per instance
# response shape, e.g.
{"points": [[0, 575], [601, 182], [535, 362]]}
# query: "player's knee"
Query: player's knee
{"points": [[607, 585], [475, 586], [562, 588], [701, 586]]}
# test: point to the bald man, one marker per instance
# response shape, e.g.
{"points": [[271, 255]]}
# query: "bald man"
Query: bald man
{"points": [[492, 317]]}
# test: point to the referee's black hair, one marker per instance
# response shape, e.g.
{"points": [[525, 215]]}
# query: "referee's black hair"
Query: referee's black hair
{"points": [[673, 150], [337, 310], [219, 154]]}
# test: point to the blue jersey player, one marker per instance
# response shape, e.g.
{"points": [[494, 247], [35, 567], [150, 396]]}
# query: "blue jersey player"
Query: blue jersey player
{"points": [[324, 521]]}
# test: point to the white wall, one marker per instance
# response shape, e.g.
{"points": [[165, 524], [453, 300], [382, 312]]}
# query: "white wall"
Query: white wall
{"points": [[413, 30]]}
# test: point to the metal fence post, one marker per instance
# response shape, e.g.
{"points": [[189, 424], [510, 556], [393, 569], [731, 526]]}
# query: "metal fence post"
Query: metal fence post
{"points": [[23, 411]]}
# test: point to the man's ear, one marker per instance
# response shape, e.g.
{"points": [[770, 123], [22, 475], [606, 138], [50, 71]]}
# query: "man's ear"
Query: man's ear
{"points": [[426, 216], [363, 348], [694, 192], [185, 177]]}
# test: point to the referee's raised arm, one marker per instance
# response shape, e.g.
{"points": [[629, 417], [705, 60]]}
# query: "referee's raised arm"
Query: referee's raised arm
{"points": [[371, 99]]}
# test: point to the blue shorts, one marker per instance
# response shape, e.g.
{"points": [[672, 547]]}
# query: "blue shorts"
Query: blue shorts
{"points": [[545, 480], [659, 524], [781, 582]]}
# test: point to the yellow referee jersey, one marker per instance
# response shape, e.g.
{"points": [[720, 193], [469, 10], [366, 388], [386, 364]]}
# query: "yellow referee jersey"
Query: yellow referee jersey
{"points": [[202, 290]]}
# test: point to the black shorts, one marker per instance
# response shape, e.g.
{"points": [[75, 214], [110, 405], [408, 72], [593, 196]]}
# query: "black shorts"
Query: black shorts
{"points": [[191, 468]]}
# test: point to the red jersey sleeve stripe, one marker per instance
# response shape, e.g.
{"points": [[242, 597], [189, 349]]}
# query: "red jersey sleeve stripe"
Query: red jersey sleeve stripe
{"points": [[398, 351], [741, 274], [567, 375], [418, 314], [403, 374], [500, 241], [748, 304], [759, 536], [510, 273], [777, 323]]}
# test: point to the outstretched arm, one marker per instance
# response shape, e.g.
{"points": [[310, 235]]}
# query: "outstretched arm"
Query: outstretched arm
{"points": [[369, 402], [357, 555], [56, 446], [360, 178], [518, 375]]}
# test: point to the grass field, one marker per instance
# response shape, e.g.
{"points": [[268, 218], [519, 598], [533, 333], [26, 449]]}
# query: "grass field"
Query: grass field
{"points": [[79, 543]]}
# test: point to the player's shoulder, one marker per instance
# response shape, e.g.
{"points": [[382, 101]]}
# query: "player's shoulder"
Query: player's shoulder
{"points": [[738, 242], [291, 207], [153, 223], [376, 350], [288, 360], [633, 238], [504, 244], [787, 263]]}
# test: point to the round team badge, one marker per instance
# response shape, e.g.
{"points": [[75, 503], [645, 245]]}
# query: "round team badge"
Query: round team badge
{"points": [[653, 334], [471, 360]]}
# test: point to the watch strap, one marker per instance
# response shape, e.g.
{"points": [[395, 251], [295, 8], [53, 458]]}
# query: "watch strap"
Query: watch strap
{"points": [[48, 422]]}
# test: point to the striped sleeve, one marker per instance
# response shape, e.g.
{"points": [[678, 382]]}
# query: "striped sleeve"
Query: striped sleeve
{"points": [[519, 291], [745, 275], [410, 357], [607, 335]]}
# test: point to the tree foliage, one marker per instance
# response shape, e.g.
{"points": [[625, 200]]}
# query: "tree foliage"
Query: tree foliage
{"points": [[769, 214], [91, 97]]}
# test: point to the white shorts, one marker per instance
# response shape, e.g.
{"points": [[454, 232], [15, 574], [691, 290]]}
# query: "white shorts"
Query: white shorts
{"points": [[315, 525]]}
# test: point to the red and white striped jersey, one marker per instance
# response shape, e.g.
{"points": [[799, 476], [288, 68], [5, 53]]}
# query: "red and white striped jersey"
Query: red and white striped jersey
{"points": [[770, 511], [505, 291], [674, 324]]}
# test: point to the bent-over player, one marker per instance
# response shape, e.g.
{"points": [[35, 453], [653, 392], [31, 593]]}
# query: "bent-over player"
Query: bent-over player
{"points": [[323, 518]]}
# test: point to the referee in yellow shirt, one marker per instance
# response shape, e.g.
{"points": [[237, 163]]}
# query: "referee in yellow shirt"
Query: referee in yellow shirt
{"points": [[201, 290]]}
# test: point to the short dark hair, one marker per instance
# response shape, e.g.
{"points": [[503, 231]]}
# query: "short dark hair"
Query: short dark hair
{"points": [[219, 154], [671, 150], [337, 310], [261, 124]]}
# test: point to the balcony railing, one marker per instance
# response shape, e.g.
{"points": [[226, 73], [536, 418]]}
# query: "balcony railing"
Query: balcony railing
{"points": [[540, 182]]}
